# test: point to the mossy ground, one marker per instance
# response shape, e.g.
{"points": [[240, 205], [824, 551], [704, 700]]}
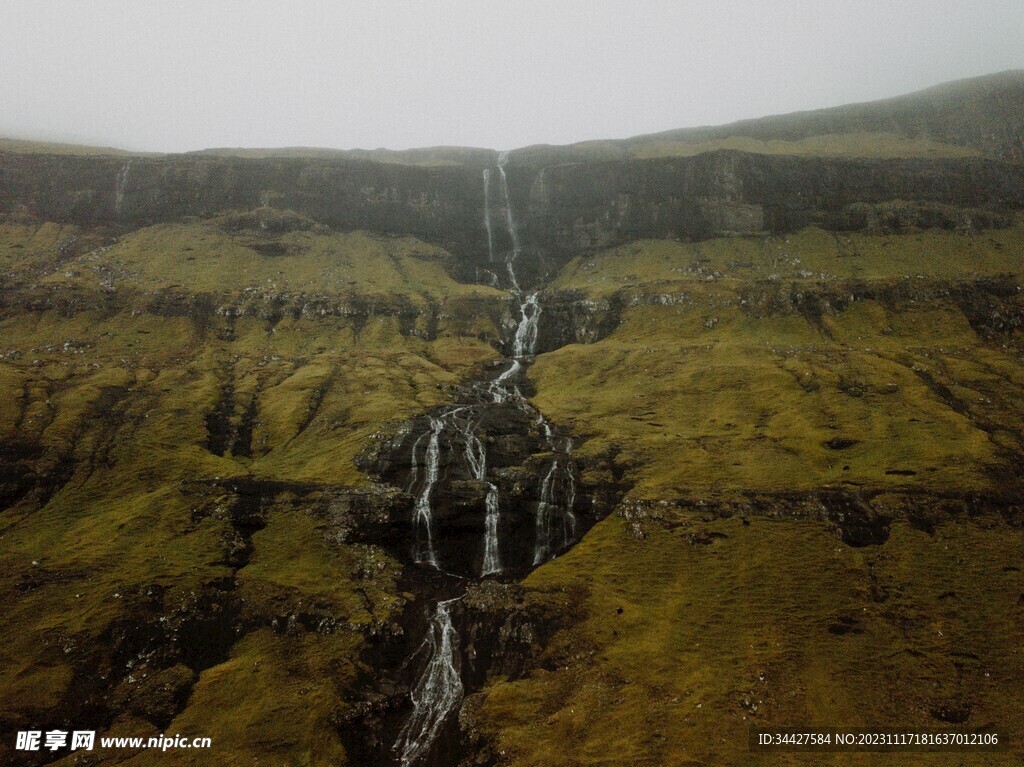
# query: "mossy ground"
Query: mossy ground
{"points": [[875, 144], [126, 362], [680, 648], [717, 380], [108, 403], [684, 629]]}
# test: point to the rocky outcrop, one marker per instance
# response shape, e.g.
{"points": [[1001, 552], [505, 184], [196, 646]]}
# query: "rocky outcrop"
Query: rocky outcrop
{"points": [[561, 208], [858, 517], [600, 204]]}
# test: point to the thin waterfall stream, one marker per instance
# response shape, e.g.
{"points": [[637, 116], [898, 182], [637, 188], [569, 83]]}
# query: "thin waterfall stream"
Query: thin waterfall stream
{"points": [[438, 691], [121, 186], [454, 442]]}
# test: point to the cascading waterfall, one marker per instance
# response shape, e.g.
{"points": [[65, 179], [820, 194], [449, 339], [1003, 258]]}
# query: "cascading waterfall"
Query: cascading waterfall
{"points": [[121, 187], [423, 518], [555, 522], [499, 388], [487, 214], [414, 469], [438, 690], [509, 222], [476, 457], [492, 554], [525, 342], [476, 453]]}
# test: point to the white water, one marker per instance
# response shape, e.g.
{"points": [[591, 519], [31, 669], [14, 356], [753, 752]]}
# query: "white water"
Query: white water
{"points": [[476, 453], [525, 342], [438, 690], [509, 222], [492, 554], [487, 214], [122, 186], [500, 390], [423, 519], [555, 522], [415, 470], [476, 458]]}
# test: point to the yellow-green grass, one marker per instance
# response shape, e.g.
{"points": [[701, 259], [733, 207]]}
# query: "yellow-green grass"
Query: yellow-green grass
{"points": [[125, 519], [278, 700], [810, 255], [877, 145], [855, 144], [726, 386], [701, 397], [204, 258], [673, 650], [27, 146], [123, 397], [751, 403]]}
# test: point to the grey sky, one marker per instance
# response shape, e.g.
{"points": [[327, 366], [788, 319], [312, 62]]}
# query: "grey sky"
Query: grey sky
{"points": [[171, 75]]}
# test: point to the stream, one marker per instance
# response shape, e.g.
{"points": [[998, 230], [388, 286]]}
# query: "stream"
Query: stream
{"points": [[449, 459]]}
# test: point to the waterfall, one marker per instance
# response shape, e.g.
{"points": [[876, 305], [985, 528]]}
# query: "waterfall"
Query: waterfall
{"points": [[415, 468], [487, 214], [525, 342], [498, 389], [509, 222], [476, 453], [492, 555], [438, 690], [542, 542], [476, 459], [423, 519], [122, 185], [552, 537]]}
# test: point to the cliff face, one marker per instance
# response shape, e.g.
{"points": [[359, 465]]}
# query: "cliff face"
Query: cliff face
{"points": [[442, 204], [602, 204], [560, 208]]}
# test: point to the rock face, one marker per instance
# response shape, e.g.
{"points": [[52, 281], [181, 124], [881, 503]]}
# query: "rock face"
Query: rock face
{"points": [[562, 208], [603, 204]]}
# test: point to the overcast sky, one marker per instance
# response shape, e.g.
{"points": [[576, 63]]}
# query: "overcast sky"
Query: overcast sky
{"points": [[173, 75]]}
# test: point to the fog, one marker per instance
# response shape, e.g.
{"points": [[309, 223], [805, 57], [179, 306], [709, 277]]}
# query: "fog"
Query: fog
{"points": [[175, 76]]}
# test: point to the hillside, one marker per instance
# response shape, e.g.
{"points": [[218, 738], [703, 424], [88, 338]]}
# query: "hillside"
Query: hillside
{"points": [[630, 445], [976, 116]]}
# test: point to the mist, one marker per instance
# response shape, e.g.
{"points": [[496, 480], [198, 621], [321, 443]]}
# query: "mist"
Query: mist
{"points": [[157, 76]]}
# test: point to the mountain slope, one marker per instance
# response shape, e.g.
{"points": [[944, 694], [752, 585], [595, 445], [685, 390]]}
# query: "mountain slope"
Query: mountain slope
{"points": [[775, 395]]}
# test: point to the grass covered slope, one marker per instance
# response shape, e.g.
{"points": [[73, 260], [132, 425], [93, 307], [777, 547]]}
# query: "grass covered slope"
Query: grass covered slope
{"points": [[180, 476], [784, 363], [682, 639], [822, 433]]}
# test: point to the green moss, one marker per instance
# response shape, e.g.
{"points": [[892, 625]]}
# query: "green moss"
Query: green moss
{"points": [[725, 389], [752, 403], [878, 145], [111, 397], [809, 256], [294, 570], [278, 699], [678, 648], [209, 258], [728, 386]]}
